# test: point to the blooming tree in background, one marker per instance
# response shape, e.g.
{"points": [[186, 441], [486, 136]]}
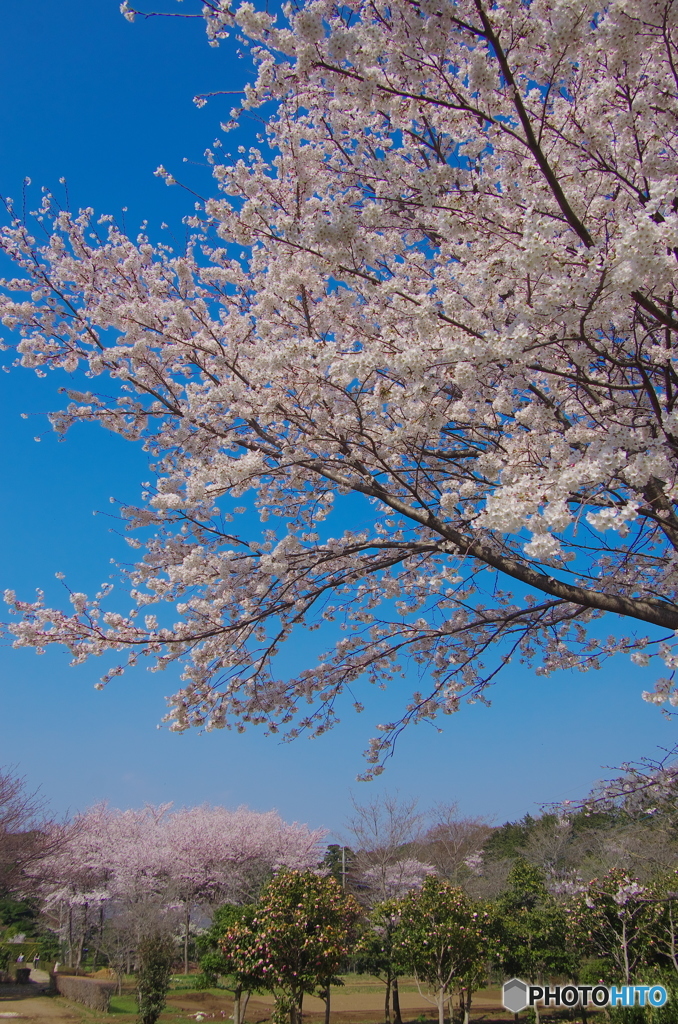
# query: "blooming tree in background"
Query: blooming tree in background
{"points": [[443, 285], [216, 854], [386, 833], [145, 864], [614, 920], [454, 845]]}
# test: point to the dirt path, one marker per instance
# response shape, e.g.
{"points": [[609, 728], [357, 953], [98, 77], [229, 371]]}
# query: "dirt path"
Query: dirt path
{"points": [[28, 1003], [356, 1003], [35, 1007], [349, 1005]]}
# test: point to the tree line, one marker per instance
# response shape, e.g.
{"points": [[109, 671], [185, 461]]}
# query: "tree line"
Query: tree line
{"points": [[306, 929], [580, 893]]}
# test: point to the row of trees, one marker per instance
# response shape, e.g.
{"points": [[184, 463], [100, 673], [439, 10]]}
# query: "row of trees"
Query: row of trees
{"points": [[592, 890], [305, 928], [99, 879], [102, 880], [121, 872]]}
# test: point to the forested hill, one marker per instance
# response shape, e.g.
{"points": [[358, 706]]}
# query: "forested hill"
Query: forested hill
{"points": [[638, 834]]}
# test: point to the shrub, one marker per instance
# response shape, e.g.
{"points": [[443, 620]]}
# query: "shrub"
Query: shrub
{"points": [[88, 991], [155, 957]]}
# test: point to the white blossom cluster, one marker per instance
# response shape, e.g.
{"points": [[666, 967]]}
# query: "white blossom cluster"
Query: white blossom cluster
{"points": [[185, 857], [446, 284]]}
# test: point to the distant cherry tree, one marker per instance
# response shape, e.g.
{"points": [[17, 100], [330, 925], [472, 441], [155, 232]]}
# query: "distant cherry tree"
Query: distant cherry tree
{"points": [[152, 867], [444, 285]]}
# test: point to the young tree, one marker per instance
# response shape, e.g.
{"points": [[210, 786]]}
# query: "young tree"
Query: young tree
{"points": [[443, 938], [156, 953], [232, 956], [531, 928], [296, 941], [445, 284], [614, 918], [378, 953]]}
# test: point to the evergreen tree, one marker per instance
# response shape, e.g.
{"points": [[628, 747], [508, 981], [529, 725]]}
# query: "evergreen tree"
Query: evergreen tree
{"points": [[155, 957]]}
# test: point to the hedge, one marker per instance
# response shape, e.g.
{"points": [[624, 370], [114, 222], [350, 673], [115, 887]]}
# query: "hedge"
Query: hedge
{"points": [[93, 993]]}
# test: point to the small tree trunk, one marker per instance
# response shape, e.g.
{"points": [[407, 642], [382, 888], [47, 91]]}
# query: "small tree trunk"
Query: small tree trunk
{"points": [[188, 924], [397, 1019], [467, 1005], [245, 998], [387, 999], [295, 1007], [327, 1004], [81, 940], [236, 1006], [441, 1006]]}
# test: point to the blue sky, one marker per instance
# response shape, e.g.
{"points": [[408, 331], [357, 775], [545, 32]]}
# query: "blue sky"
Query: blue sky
{"points": [[91, 98]]}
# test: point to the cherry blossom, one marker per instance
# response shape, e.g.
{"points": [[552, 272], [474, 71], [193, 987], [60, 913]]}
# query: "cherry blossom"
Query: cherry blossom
{"points": [[443, 285], [166, 859]]}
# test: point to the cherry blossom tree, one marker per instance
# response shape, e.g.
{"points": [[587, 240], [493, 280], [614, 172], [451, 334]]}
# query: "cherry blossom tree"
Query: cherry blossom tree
{"points": [[156, 953], [216, 854], [114, 860], [386, 831], [142, 865], [443, 284]]}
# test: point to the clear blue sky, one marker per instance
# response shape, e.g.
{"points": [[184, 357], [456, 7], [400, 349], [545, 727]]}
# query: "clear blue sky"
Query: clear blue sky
{"points": [[88, 96]]}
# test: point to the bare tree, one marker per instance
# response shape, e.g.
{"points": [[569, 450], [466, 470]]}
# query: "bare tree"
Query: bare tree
{"points": [[27, 833], [387, 833], [453, 844], [127, 925]]}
